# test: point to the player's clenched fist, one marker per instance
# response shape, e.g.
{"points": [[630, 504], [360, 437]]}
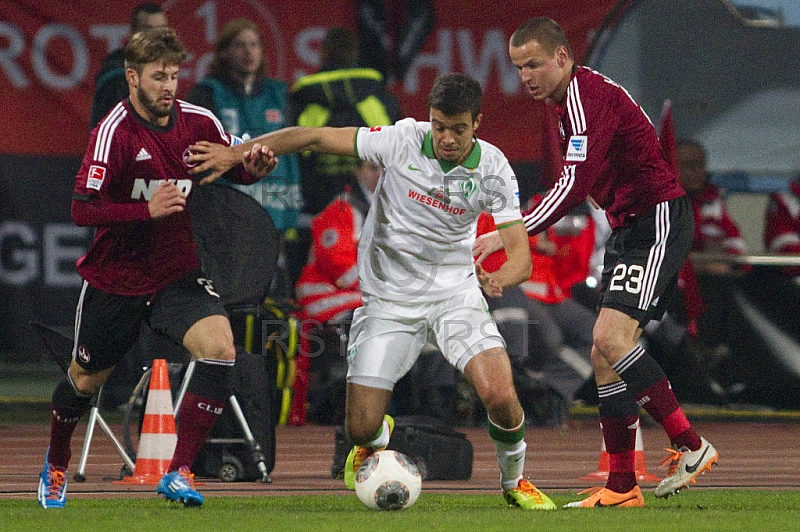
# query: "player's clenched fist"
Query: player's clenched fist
{"points": [[259, 161], [167, 199]]}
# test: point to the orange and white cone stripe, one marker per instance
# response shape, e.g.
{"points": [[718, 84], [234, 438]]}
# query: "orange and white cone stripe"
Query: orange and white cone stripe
{"points": [[159, 437]]}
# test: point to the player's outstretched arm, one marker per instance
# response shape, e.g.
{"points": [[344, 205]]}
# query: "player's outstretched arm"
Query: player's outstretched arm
{"points": [[213, 160]]}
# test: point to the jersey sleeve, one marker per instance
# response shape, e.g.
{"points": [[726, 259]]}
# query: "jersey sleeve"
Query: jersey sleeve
{"points": [[208, 127], [102, 163], [383, 145], [594, 122], [503, 193]]}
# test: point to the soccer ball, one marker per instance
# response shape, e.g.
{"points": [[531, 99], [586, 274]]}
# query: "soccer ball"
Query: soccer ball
{"points": [[388, 480]]}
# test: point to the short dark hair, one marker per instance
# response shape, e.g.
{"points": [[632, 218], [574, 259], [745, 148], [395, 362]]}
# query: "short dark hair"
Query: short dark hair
{"points": [[454, 94], [543, 30], [154, 45], [339, 48], [147, 8]]}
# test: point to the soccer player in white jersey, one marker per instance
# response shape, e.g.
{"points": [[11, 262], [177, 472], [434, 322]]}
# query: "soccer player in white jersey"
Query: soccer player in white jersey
{"points": [[415, 265]]}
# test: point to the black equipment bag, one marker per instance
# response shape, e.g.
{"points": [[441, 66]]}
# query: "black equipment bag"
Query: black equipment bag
{"points": [[227, 454], [439, 451]]}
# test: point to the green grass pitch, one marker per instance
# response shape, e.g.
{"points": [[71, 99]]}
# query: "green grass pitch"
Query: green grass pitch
{"points": [[695, 510]]}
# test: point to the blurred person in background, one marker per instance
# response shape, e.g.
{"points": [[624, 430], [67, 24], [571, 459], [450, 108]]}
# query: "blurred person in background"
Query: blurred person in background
{"points": [[249, 103], [110, 85], [782, 225], [341, 94]]}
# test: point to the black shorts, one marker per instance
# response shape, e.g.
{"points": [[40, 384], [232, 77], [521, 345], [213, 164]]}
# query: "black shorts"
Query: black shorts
{"points": [[643, 259], [107, 325]]}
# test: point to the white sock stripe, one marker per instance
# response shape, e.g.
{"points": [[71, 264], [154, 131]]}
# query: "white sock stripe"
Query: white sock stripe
{"points": [[515, 429], [607, 390], [625, 362]]}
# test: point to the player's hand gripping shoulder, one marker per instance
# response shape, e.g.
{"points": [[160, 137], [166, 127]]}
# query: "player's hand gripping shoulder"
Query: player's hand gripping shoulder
{"points": [[485, 245], [167, 199]]}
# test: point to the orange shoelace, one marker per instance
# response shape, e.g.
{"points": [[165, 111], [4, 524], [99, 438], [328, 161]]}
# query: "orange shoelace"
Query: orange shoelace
{"points": [[361, 454], [56, 478], [526, 487], [184, 472], [672, 459], [591, 491]]}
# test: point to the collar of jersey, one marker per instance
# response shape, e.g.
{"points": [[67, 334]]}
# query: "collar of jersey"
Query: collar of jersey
{"points": [[472, 161]]}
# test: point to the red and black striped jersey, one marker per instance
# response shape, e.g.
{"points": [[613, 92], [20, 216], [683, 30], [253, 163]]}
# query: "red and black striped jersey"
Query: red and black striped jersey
{"points": [[611, 152], [127, 158]]}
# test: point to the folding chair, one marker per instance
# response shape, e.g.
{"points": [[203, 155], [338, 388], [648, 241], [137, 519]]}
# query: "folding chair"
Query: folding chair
{"points": [[238, 246]]}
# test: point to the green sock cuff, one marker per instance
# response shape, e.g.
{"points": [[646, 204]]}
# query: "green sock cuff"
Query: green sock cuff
{"points": [[505, 436]]}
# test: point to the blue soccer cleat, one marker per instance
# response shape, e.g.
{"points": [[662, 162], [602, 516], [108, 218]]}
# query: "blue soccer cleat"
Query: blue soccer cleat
{"points": [[52, 485], [178, 486]]}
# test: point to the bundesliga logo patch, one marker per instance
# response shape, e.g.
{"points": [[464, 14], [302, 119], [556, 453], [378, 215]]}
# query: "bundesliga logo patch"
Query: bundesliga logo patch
{"points": [[95, 177], [576, 148]]}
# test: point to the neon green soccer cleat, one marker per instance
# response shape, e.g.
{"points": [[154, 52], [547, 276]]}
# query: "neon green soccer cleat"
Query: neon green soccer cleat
{"points": [[528, 497], [357, 456]]}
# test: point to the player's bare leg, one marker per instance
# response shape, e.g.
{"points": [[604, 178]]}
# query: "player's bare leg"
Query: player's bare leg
{"points": [[490, 373]]}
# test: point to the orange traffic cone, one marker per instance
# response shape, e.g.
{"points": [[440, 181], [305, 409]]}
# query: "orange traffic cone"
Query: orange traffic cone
{"points": [[159, 437], [603, 465]]}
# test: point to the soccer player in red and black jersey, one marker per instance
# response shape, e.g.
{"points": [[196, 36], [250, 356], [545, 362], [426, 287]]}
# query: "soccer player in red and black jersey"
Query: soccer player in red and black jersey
{"points": [[133, 186], [612, 155]]}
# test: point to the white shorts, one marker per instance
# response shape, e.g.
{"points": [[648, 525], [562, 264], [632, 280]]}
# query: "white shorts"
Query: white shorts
{"points": [[387, 336]]}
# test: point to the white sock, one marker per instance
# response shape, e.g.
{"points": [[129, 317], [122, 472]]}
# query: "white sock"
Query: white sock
{"points": [[382, 439], [511, 458]]}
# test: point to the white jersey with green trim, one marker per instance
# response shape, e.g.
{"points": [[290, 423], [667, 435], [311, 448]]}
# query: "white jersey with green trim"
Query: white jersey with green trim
{"points": [[416, 244]]}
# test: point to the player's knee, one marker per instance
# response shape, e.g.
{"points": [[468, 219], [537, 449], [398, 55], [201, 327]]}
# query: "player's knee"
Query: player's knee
{"points": [[606, 343], [217, 349], [499, 399], [86, 385]]}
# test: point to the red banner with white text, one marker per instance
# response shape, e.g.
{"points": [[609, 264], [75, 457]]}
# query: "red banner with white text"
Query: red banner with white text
{"points": [[50, 51]]}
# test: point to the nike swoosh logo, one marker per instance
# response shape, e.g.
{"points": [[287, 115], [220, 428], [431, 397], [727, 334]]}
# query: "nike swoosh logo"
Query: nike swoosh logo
{"points": [[412, 167], [599, 504], [692, 468]]}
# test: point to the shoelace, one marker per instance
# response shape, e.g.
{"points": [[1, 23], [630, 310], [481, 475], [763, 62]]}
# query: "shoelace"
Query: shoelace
{"points": [[56, 479], [673, 458], [528, 488], [362, 454], [591, 491], [187, 475]]}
